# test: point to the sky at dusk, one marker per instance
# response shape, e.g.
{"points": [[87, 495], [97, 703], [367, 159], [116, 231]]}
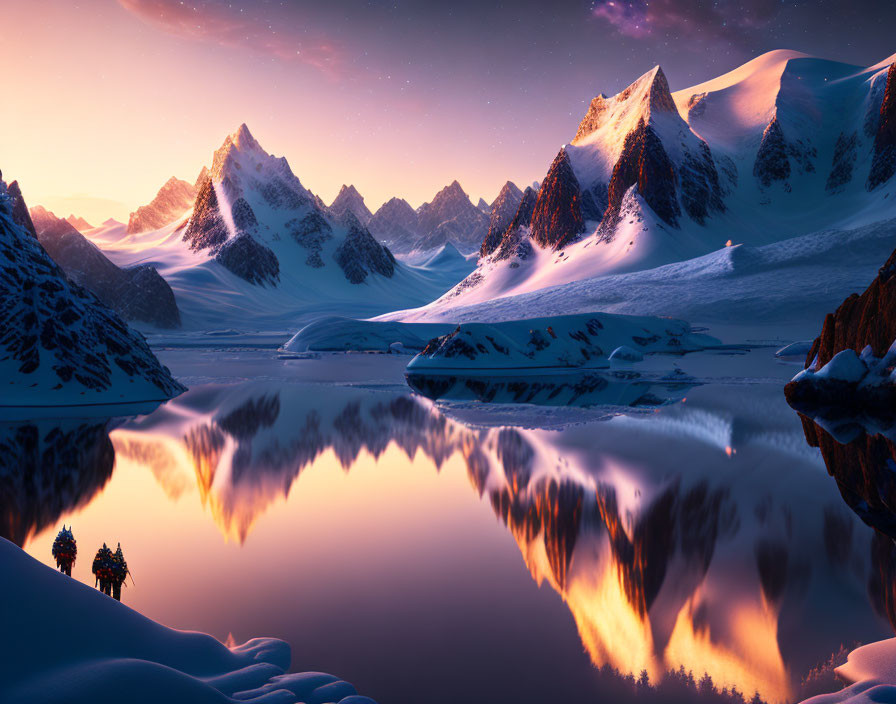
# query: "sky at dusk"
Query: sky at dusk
{"points": [[104, 100]]}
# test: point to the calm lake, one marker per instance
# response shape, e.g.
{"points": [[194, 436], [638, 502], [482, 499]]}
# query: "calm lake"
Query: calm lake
{"points": [[473, 552]]}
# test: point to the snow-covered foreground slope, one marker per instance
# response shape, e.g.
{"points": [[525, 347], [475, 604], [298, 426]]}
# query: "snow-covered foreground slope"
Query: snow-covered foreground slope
{"points": [[872, 671], [67, 642], [59, 345], [791, 284], [783, 146], [260, 252]]}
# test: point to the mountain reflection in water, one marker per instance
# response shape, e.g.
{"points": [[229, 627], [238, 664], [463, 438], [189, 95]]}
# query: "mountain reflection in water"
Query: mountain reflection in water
{"points": [[48, 468], [705, 535]]}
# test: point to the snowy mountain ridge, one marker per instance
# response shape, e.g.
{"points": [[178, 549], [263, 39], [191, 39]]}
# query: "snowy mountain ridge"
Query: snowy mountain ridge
{"points": [[782, 146]]}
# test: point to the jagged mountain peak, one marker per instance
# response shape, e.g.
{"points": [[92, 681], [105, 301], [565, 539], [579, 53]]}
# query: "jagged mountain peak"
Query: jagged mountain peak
{"points": [[453, 190], [646, 97], [350, 200], [243, 139]]}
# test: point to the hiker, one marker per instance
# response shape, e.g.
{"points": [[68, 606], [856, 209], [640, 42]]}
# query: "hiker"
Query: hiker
{"points": [[65, 550], [119, 572], [102, 569]]}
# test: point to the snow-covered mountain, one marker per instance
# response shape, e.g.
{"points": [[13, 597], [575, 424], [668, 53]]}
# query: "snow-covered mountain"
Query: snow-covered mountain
{"points": [[396, 225], [259, 251], [58, 343], [783, 146], [451, 217], [137, 293], [501, 213], [172, 202], [349, 200]]}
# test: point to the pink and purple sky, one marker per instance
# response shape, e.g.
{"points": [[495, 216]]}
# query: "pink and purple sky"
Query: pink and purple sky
{"points": [[104, 100]]}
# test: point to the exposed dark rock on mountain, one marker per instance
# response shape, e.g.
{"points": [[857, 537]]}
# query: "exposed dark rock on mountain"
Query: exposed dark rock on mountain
{"points": [[349, 200], [138, 293], [869, 319], [451, 217], [241, 254], [513, 243], [645, 164], [771, 162], [311, 232], [502, 212], [249, 260], [557, 218], [57, 337], [883, 164], [172, 201], [360, 254], [395, 224], [844, 161], [206, 229], [20, 214], [483, 206], [701, 192]]}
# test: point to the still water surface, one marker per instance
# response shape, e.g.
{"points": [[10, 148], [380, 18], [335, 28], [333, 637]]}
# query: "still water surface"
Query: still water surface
{"points": [[470, 552]]}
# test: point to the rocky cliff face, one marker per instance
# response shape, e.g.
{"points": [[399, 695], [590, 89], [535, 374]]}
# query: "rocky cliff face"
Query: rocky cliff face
{"points": [[771, 162], [360, 254], [349, 200], [502, 212], [514, 242], [172, 201], [137, 293], [20, 214], [58, 342], [883, 164], [241, 253], [396, 225], [644, 164], [869, 319], [557, 218]]}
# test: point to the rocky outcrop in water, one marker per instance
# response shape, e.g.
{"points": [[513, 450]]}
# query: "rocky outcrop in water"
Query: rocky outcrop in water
{"points": [[867, 319], [172, 201], [883, 164]]}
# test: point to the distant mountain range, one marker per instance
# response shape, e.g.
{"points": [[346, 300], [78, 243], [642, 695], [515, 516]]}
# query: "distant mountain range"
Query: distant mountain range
{"points": [[135, 293], [450, 217]]}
